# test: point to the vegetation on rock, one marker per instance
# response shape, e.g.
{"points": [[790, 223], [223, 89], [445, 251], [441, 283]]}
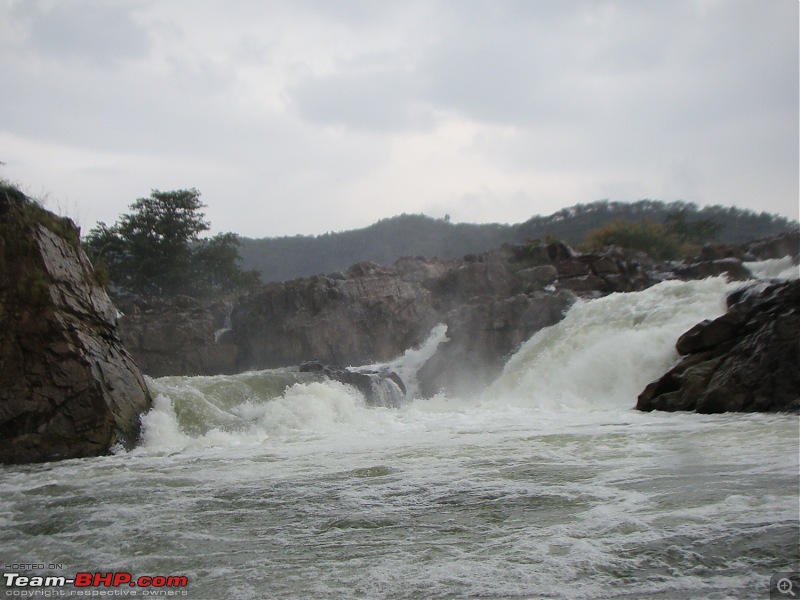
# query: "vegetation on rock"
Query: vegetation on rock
{"points": [[677, 237]]}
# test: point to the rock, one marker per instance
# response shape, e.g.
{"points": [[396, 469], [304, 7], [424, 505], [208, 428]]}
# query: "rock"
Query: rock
{"points": [[732, 267], [778, 246], [68, 387], [482, 336], [178, 336], [711, 252], [537, 278], [746, 360], [371, 315], [379, 388], [475, 279]]}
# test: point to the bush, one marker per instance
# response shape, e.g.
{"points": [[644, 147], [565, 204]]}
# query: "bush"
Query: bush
{"points": [[652, 238]]}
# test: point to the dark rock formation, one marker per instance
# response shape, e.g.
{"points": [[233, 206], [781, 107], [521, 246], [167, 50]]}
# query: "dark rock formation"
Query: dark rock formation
{"points": [[589, 275], [379, 388], [179, 336], [68, 388], [369, 314], [745, 360], [482, 336], [732, 267], [777, 246]]}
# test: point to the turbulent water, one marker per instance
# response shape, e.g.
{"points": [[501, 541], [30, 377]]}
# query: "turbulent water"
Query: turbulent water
{"points": [[548, 485]]}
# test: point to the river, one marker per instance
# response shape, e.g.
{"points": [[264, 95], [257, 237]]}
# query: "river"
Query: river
{"points": [[547, 485]]}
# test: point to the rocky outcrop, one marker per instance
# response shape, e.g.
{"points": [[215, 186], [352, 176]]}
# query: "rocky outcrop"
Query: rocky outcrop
{"points": [[379, 388], [491, 303], [499, 300], [68, 388], [366, 315], [731, 266], [591, 274], [179, 336], [777, 246], [745, 360], [481, 337]]}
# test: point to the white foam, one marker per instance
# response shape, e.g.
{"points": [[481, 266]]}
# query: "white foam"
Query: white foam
{"points": [[606, 351], [774, 268], [410, 362]]}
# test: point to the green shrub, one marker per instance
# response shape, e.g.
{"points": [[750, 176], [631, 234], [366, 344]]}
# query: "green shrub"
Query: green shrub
{"points": [[646, 236]]}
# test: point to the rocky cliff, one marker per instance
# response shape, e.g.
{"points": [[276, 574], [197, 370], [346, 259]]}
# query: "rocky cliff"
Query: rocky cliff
{"points": [[367, 314], [491, 303], [68, 388], [178, 336], [746, 360]]}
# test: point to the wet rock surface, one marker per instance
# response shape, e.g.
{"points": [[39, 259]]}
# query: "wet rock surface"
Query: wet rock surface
{"points": [[68, 387], [179, 336], [380, 388], [746, 360]]}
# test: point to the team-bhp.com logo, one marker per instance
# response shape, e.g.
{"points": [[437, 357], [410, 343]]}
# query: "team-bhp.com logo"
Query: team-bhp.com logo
{"points": [[17, 584]]}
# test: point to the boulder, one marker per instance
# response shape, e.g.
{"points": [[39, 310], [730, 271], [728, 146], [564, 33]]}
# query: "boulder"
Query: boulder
{"points": [[746, 360], [68, 387], [380, 388], [777, 246]]}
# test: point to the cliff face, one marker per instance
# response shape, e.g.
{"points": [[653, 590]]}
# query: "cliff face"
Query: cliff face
{"points": [[178, 336], [68, 388], [368, 314]]}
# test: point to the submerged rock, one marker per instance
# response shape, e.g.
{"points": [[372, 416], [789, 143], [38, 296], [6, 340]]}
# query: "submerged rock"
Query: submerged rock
{"points": [[746, 360], [68, 388], [379, 388]]}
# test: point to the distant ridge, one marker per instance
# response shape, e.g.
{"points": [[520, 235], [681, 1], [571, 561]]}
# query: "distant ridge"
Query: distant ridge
{"points": [[284, 258]]}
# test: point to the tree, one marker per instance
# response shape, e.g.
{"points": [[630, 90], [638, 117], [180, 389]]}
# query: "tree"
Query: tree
{"points": [[214, 262], [156, 249], [698, 231]]}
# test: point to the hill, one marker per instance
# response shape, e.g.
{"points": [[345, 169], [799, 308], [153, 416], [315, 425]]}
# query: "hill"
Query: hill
{"points": [[285, 258]]}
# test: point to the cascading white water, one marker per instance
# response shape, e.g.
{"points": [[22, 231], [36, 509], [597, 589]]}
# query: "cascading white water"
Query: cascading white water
{"points": [[607, 350], [273, 484]]}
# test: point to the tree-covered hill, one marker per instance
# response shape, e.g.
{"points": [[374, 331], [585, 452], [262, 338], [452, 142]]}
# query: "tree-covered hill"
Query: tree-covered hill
{"points": [[283, 258], [734, 225]]}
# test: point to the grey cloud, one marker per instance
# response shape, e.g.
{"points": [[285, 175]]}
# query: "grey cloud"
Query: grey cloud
{"points": [[366, 99], [692, 97], [99, 32]]}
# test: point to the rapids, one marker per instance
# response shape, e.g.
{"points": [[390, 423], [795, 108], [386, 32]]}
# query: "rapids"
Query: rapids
{"points": [[548, 485]]}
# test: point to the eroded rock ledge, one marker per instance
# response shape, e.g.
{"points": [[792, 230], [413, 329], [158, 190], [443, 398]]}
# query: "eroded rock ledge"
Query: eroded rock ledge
{"points": [[68, 388]]}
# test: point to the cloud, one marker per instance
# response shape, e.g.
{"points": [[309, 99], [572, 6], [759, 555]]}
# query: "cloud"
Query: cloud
{"points": [[97, 31], [363, 98], [313, 115]]}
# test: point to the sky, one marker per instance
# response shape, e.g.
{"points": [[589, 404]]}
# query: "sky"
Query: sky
{"points": [[309, 116]]}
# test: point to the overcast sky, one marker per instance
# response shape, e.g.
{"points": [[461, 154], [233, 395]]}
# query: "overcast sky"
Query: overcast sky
{"points": [[306, 116]]}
